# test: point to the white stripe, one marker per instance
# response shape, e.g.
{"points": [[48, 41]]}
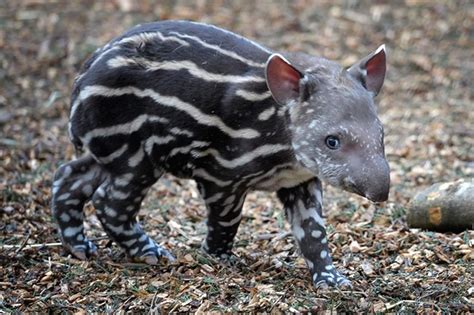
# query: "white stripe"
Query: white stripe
{"points": [[214, 198], [134, 39], [232, 222], [148, 37], [266, 114], [188, 65], [252, 96], [233, 34], [233, 207], [170, 101], [179, 131], [270, 173], [98, 58], [114, 155], [264, 150], [186, 149], [226, 210], [136, 158], [228, 53], [126, 128], [201, 173], [150, 142]]}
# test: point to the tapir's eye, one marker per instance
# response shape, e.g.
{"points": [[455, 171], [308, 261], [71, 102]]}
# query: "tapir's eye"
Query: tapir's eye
{"points": [[333, 142]]}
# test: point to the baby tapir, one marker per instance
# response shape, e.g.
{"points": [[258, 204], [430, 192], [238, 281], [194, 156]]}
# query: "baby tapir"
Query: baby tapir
{"points": [[204, 103]]}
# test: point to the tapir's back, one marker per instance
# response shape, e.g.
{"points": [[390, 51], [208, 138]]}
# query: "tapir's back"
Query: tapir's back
{"points": [[178, 83]]}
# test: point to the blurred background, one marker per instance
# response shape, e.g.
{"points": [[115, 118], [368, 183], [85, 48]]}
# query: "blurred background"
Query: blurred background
{"points": [[426, 106]]}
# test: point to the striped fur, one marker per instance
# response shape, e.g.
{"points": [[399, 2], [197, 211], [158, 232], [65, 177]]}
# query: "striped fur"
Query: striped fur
{"points": [[193, 100]]}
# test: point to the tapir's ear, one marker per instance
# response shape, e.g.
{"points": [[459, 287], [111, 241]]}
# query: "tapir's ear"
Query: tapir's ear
{"points": [[283, 80], [371, 70]]}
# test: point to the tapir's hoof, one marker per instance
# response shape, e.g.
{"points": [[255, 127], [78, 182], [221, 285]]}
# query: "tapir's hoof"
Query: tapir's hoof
{"points": [[82, 251], [152, 258], [332, 278]]}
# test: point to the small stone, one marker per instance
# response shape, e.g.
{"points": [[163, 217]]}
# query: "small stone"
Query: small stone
{"points": [[8, 209], [367, 268], [189, 258], [354, 247]]}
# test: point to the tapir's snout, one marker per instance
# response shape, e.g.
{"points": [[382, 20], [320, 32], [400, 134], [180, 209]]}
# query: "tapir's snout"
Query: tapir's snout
{"points": [[372, 181]]}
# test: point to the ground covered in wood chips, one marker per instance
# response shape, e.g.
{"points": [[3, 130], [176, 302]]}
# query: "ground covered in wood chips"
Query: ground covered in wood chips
{"points": [[426, 106]]}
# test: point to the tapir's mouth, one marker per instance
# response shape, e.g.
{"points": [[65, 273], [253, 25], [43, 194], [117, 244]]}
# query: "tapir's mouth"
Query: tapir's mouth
{"points": [[350, 186]]}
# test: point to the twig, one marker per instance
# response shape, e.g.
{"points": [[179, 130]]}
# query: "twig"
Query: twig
{"points": [[409, 301], [22, 245], [277, 300], [153, 309]]}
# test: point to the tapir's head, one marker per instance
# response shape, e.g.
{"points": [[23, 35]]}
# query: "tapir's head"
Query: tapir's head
{"points": [[334, 126]]}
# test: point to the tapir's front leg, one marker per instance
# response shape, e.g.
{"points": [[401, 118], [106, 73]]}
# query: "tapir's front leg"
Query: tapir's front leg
{"points": [[303, 207]]}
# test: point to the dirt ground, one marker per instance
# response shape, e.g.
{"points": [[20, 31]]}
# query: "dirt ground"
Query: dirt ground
{"points": [[426, 106]]}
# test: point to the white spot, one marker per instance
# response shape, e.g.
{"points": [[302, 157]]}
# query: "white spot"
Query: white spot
{"points": [[324, 254], [298, 232], [87, 190], [76, 184], [73, 202], [64, 217], [110, 212], [63, 196], [133, 251], [116, 194], [71, 231], [123, 180], [123, 218], [316, 233], [76, 214]]}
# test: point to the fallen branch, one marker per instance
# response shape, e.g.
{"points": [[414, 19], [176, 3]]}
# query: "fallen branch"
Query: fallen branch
{"points": [[24, 247]]}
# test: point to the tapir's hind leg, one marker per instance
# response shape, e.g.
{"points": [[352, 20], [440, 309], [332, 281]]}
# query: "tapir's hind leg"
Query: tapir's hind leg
{"points": [[74, 184], [117, 202]]}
